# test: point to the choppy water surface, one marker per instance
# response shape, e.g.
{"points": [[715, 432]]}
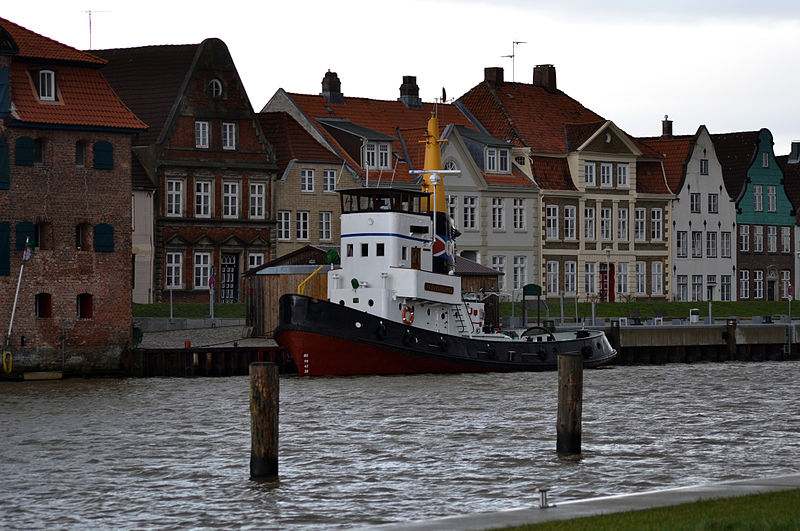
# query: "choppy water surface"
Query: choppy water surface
{"points": [[174, 453]]}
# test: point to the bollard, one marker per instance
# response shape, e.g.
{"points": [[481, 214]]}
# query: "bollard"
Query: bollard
{"points": [[615, 337], [730, 338], [264, 398], [570, 398]]}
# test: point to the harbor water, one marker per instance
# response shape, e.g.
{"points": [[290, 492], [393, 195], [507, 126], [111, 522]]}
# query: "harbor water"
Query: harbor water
{"points": [[174, 452]]}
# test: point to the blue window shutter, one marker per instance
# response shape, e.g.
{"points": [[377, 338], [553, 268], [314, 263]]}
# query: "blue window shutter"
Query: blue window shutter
{"points": [[25, 230], [3, 91], [5, 248], [103, 238], [25, 151], [5, 170], [103, 155]]}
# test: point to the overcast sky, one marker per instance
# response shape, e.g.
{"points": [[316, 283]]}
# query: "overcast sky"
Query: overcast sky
{"points": [[728, 64]]}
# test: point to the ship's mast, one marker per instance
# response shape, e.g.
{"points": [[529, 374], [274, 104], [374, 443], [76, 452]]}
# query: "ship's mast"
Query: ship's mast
{"points": [[433, 164]]}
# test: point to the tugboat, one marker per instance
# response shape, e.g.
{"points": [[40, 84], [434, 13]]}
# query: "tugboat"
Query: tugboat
{"points": [[394, 305]]}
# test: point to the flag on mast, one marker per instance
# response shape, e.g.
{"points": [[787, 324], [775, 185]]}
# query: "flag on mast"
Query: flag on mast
{"points": [[28, 250]]}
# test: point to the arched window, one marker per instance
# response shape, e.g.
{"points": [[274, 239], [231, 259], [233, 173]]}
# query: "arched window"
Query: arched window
{"points": [[215, 88]]}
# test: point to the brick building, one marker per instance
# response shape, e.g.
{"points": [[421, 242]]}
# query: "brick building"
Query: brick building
{"points": [[211, 168], [65, 186]]}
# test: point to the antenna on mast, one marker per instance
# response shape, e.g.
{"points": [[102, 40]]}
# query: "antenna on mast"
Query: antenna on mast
{"points": [[512, 56], [89, 12]]}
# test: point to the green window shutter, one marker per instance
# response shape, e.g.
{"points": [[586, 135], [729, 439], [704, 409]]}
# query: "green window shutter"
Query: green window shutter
{"points": [[3, 91], [5, 248], [103, 155], [5, 170], [104, 238], [25, 151], [25, 230]]}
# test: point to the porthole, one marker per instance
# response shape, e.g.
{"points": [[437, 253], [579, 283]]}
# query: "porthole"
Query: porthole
{"points": [[371, 302], [358, 324]]}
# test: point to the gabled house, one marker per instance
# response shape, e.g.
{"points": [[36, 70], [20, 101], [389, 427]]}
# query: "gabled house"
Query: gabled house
{"points": [[65, 188], [790, 166], [703, 245], [492, 200], [605, 203], [765, 217], [211, 167]]}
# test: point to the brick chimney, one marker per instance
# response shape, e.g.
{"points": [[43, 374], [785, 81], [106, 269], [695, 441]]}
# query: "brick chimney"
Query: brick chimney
{"points": [[545, 76], [332, 88], [409, 93], [493, 74], [666, 127]]}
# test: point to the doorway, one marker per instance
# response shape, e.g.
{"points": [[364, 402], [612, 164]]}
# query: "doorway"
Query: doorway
{"points": [[229, 281]]}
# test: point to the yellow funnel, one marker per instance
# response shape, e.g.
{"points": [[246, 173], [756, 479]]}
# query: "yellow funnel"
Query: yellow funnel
{"points": [[433, 162]]}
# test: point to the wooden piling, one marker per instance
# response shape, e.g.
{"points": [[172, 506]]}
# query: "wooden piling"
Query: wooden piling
{"points": [[264, 394], [570, 400]]}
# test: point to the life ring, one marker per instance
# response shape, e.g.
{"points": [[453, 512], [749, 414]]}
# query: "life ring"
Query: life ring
{"points": [[408, 315], [8, 361]]}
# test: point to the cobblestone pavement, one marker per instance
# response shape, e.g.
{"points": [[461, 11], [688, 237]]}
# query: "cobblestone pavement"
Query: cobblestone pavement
{"points": [[203, 337]]}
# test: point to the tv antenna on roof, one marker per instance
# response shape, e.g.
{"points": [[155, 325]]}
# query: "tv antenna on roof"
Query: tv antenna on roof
{"points": [[90, 24], [512, 56]]}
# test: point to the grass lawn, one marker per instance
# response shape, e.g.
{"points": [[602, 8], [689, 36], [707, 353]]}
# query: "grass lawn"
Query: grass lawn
{"points": [[772, 510]]}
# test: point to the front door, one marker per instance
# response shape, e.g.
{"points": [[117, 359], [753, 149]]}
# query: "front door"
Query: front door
{"points": [[771, 290], [229, 279]]}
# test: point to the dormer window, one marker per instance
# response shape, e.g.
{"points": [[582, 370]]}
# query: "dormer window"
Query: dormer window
{"points": [[376, 156], [47, 85], [497, 160]]}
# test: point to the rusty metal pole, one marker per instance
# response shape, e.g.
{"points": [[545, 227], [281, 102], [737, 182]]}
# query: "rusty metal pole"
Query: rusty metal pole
{"points": [[570, 400], [264, 399]]}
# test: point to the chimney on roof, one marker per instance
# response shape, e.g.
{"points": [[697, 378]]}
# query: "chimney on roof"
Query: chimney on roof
{"points": [[545, 76], [794, 156], [332, 88], [666, 127], [409, 93], [493, 74]]}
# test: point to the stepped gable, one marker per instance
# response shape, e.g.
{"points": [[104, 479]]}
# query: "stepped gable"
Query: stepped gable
{"points": [[675, 152], [83, 96], [150, 79], [291, 141], [735, 152]]}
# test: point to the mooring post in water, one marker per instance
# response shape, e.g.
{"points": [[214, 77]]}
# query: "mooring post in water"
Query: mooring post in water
{"points": [[570, 399], [264, 399]]}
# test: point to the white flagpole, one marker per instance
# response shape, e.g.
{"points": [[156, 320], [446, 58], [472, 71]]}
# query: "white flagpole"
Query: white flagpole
{"points": [[16, 294]]}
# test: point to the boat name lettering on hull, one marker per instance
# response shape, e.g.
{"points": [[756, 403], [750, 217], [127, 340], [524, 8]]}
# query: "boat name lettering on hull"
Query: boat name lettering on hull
{"points": [[438, 288]]}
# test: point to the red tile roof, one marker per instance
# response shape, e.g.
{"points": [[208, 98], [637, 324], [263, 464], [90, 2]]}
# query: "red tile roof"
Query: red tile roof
{"points": [[292, 142], [34, 46], [735, 152], [650, 177], [676, 152], [552, 173]]}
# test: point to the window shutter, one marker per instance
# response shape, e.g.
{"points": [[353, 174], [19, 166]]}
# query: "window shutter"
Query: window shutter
{"points": [[4, 91], [5, 248], [103, 238], [25, 230], [5, 170], [103, 155], [25, 151]]}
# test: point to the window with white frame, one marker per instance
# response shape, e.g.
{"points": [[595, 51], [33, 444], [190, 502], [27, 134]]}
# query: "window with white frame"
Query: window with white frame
{"points": [[641, 277], [452, 208], [47, 85], [694, 203], [228, 135], [758, 238], [174, 270], [174, 206], [570, 212], [786, 240], [622, 175], [499, 265], [713, 203], [697, 287], [518, 214], [772, 239], [370, 156], [202, 270], [307, 180], [605, 224], [772, 198], [520, 271], [725, 288], [376, 155], [640, 224], [502, 160], [570, 276], [744, 238], [325, 226], [758, 198], [703, 166], [786, 281], [215, 88], [201, 140], [622, 278], [202, 199], [230, 200], [328, 180], [284, 225], [744, 284], [656, 224], [257, 200], [682, 244], [301, 225], [255, 260], [491, 160], [682, 288], [697, 244], [725, 244], [622, 224], [551, 222], [605, 174], [498, 213], [588, 223], [470, 212], [765, 160], [588, 174], [758, 284], [383, 156], [711, 244], [657, 283], [589, 280], [552, 277]]}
